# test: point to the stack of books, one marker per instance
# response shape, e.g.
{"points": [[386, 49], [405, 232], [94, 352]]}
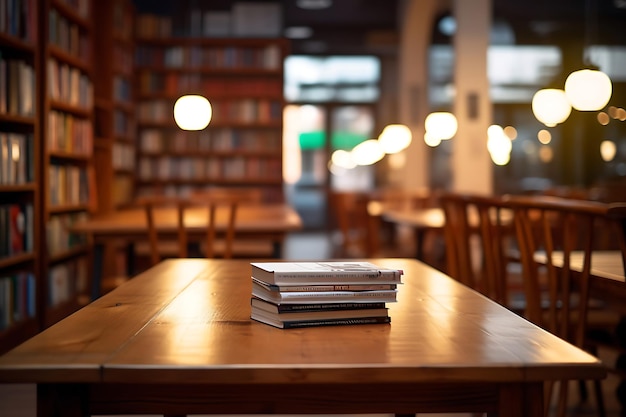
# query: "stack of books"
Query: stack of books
{"points": [[308, 294]]}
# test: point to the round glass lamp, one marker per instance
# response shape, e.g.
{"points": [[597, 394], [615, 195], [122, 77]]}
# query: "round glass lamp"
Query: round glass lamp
{"points": [[588, 90], [192, 112], [551, 106], [442, 125], [394, 138]]}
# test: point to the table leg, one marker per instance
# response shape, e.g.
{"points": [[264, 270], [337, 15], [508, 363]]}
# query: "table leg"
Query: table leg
{"points": [[96, 281], [130, 259], [521, 400], [61, 400]]}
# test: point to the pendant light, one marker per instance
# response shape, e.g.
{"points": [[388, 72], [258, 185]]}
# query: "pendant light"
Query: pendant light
{"points": [[588, 89], [192, 112], [551, 106]]}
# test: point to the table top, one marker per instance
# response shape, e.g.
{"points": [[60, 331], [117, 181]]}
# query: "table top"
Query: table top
{"points": [[251, 218], [188, 320]]}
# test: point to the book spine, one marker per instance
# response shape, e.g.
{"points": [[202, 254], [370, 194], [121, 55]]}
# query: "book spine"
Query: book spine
{"points": [[293, 308], [345, 294], [335, 322], [312, 288]]}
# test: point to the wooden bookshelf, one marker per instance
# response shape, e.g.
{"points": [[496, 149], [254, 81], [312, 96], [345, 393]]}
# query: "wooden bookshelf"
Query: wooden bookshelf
{"points": [[20, 283], [242, 146], [114, 111], [68, 177]]}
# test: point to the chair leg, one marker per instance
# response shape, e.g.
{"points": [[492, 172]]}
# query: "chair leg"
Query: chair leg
{"points": [[597, 385]]}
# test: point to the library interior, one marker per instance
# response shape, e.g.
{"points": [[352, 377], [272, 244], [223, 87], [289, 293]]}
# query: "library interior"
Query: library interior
{"points": [[331, 129]]}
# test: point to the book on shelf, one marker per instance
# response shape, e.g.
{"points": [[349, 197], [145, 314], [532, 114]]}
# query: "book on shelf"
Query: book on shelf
{"points": [[304, 297], [334, 272]]}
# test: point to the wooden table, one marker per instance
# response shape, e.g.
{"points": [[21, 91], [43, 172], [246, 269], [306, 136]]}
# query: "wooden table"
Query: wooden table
{"points": [[262, 222], [178, 339], [421, 221]]}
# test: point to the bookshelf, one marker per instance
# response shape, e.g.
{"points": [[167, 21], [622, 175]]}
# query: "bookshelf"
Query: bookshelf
{"points": [[114, 147], [19, 189], [243, 80], [66, 119]]}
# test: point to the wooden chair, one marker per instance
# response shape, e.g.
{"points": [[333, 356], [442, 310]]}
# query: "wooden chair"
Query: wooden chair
{"points": [[200, 205], [349, 210], [241, 247], [557, 297], [477, 234]]}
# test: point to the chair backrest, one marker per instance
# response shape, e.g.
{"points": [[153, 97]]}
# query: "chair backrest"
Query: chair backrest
{"points": [[151, 205], [476, 232], [218, 203], [549, 229]]}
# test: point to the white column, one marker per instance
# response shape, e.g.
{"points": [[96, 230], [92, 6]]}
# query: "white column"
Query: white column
{"points": [[471, 164], [416, 22]]}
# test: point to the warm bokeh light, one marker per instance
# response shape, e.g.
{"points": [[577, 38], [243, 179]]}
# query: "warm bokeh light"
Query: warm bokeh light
{"points": [[395, 138], [551, 106], [608, 150], [367, 152], [603, 118], [499, 145], [441, 124], [343, 159], [544, 136], [588, 90], [511, 132], [192, 112], [431, 140], [546, 154]]}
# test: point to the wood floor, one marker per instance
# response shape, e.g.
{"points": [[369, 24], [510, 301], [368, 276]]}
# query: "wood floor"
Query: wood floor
{"points": [[20, 400]]}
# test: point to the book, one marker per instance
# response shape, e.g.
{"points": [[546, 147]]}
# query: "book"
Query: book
{"points": [[266, 310], [292, 308], [312, 273], [308, 297], [325, 287], [294, 324]]}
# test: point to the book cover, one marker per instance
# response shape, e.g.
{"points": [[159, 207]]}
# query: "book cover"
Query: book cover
{"points": [[313, 297], [295, 324], [293, 308], [325, 287], [281, 273]]}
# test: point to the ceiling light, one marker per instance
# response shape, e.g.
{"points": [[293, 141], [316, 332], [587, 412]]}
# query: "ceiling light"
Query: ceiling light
{"points": [[394, 138], [588, 89]]}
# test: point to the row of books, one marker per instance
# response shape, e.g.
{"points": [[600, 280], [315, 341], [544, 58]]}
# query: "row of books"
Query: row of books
{"points": [[123, 124], [16, 223], [180, 83], [17, 87], [17, 163], [70, 134], [168, 168], [210, 57], [243, 19], [69, 85], [67, 279], [123, 156], [18, 18], [58, 236], [17, 298], [80, 7], [67, 184], [309, 294], [67, 35], [205, 141]]}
